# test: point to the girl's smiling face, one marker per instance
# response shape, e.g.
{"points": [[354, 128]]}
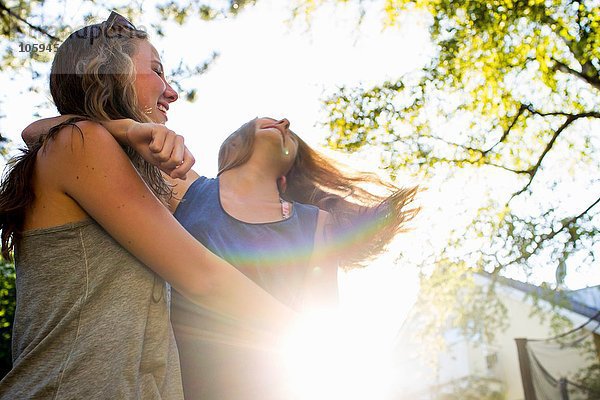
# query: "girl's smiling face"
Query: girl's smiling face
{"points": [[153, 91]]}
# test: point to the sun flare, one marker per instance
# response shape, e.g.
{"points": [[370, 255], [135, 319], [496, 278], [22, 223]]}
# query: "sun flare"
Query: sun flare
{"points": [[328, 357]]}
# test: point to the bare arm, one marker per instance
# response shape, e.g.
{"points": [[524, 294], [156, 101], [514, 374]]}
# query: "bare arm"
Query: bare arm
{"points": [[37, 128], [156, 143], [122, 204]]}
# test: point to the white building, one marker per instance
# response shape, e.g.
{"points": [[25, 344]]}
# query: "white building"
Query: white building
{"points": [[498, 369]]}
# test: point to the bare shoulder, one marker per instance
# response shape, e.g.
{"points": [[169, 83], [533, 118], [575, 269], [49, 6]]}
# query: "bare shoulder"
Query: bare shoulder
{"points": [[80, 155], [60, 164], [72, 143], [81, 135], [82, 144]]}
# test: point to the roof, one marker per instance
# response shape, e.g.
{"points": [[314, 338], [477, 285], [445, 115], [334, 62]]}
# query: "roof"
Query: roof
{"points": [[585, 302]]}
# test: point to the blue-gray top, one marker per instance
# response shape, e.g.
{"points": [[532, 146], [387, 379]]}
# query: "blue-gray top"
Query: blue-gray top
{"points": [[218, 361], [275, 255]]}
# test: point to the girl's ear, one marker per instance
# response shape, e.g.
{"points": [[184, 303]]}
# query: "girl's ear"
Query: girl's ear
{"points": [[282, 184]]}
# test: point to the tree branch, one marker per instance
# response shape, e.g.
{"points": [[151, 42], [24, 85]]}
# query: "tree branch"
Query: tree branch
{"points": [[462, 146], [551, 235], [34, 27], [594, 81], [531, 171], [570, 119], [474, 162], [587, 210], [505, 134], [567, 223], [588, 114]]}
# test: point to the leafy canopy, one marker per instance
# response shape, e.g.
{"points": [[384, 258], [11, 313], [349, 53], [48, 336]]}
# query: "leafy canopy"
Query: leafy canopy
{"points": [[511, 91]]}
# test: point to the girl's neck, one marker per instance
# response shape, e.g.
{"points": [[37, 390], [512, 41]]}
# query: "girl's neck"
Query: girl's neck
{"points": [[250, 183]]}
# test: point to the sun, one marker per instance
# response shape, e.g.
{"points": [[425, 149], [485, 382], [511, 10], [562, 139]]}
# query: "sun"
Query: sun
{"points": [[327, 357], [348, 353]]}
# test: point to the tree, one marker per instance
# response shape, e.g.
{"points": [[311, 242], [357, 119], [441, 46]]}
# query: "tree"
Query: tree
{"points": [[7, 312], [511, 91]]}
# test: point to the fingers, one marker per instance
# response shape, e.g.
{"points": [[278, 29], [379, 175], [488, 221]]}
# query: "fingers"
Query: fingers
{"points": [[182, 169], [159, 134], [174, 158], [179, 149], [166, 149], [165, 155]]}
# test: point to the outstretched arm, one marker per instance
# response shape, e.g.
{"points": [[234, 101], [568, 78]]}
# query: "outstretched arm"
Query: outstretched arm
{"points": [[123, 205], [31, 134], [156, 143]]}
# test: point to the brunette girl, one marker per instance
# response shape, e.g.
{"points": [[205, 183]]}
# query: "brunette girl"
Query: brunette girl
{"points": [[286, 216]]}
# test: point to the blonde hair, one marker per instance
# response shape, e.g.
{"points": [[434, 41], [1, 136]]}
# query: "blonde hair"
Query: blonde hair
{"points": [[100, 84]]}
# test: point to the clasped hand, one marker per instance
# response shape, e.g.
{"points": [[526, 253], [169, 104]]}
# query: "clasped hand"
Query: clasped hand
{"points": [[160, 146]]}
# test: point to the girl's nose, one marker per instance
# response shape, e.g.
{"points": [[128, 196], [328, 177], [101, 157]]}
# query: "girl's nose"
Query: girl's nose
{"points": [[170, 94], [285, 123]]}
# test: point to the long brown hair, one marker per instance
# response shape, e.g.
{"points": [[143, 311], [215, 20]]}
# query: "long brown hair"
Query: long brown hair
{"points": [[92, 76], [364, 222]]}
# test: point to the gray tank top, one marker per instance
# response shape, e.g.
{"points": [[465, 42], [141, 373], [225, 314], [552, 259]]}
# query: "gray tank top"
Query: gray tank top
{"points": [[91, 322]]}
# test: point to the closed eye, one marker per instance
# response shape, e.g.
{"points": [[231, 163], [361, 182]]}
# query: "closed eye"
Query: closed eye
{"points": [[159, 67]]}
